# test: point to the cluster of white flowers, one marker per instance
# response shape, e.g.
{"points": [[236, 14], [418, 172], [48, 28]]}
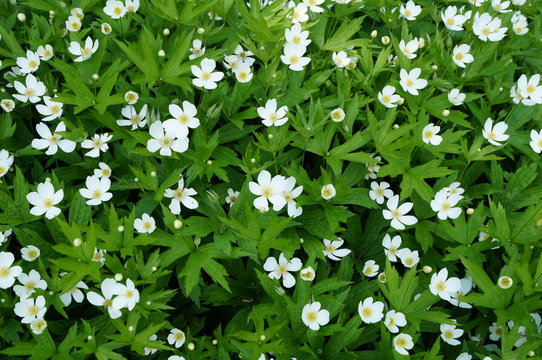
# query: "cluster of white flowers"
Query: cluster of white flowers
{"points": [[446, 199], [295, 48], [279, 191], [115, 296]]}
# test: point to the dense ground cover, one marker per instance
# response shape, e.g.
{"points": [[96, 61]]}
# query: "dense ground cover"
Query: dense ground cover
{"points": [[221, 179]]}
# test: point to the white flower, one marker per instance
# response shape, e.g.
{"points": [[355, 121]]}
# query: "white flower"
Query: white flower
{"points": [[108, 288], [233, 62], [38, 325], [495, 134], [127, 295], [307, 274], [500, 6], [449, 334], [402, 343], [290, 194], [74, 292], [166, 141], [410, 81], [30, 309], [408, 258], [205, 75], [452, 20], [464, 356], [97, 143], [444, 205], [313, 317], [7, 105], [429, 134], [293, 57], [132, 5], [328, 191], [270, 115], [461, 55], [380, 191], [45, 199], [131, 97], [466, 287], [52, 141], [299, 13], [98, 256], [6, 161], [176, 337], [295, 36], [243, 55], [270, 189], [8, 273], [145, 225], [51, 110], [505, 282], [243, 74], [197, 50], [397, 214], [536, 141], [529, 90], [45, 52], [312, 5], [30, 253], [391, 246], [488, 28], [456, 97], [28, 64], [183, 119], [103, 171], [454, 188], [410, 11], [394, 320], [4, 236], [388, 97], [332, 250], [148, 350], [32, 91], [409, 49], [83, 53], [520, 24], [30, 283], [133, 119], [115, 9], [370, 311], [337, 115], [96, 190], [442, 286], [106, 28], [181, 195], [370, 268], [495, 332], [340, 59], [232, 196], [73, 24], [281, 269]]}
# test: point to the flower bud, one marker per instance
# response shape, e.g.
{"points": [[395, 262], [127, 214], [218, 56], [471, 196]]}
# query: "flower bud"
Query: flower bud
{"points": [[166, 32], [191, 346], [154, 268], [21, 17], [148, 302], [130, 328], [52, 13], [118, 277], [270, 136], [90, 337], [401, 101], [200, 30], [95, 76], [161, 53], [470, 211], [280, 290], [177, 224], [445, 112], [77, 242], [385, 40], [374, 34], [120, 228], [262, 338], [427, 269], [395, 126], [252, 160], [215, 341], [505, 282], [434, 67]]}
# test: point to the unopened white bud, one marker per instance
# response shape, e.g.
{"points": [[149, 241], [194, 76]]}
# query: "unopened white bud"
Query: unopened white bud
{"points": [[215, 341], [445, 112], [161, 53], [191, 346], [77, 242], [385, 40], [95, 76], [52, 13], [48, 179], [434, 67], [166, 32], [401, 101], [262, 338], [374, 34], [51, 293], [209, 162], [280, 290], [395, 126], [253, 160], [120, 228], [21, 17], [270, 136], [427, 269], [153, 173], [177, 224], [154, 268], [148, 303], [470, 211], [130, 328], [118, 276], [200, 30], [90, 337]]}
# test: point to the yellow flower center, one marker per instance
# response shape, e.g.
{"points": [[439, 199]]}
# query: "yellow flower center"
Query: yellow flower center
{"points": [[367, 312], [108, 303], [288, 196], [54, 139], [96, 143], [96, 194], [117, 11], [408, 13], [183, 119], [47, 203], [282, 269], [129, 294], [96, 256], [446, 206], [312, 316], [54, 109], [328, 192], [2, 169], [505, 282], [32, 254], [85, 51], [441, 286], [29, 285], [336, 115], [147, 225], [449, 334], [492, 135], [131, 97], [400, 342], [243, 75], [29, 92], [409, 261], [179, 336], [391, 322], [136, 119], [428, 134], [486, 31], [166, 141], [450, 21], [75, 25], [47, 54], [267, 191], [306, 275], [205, 76], [32, 64], [32, 310], [4, 272], [294, 59], [296, 39], [396, 213], [386, 99], [531, 89], [459, 56]]}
